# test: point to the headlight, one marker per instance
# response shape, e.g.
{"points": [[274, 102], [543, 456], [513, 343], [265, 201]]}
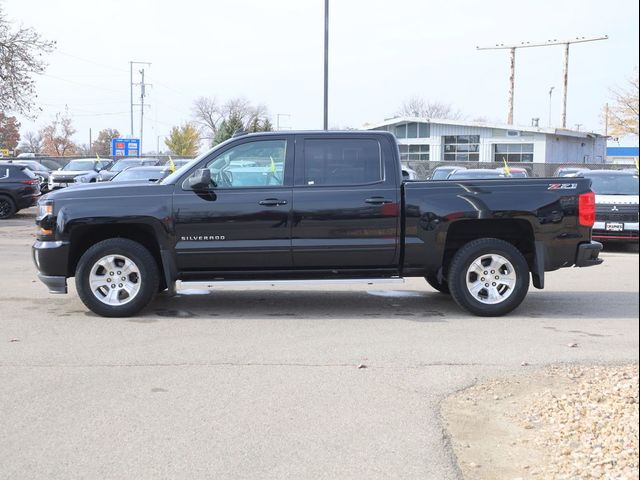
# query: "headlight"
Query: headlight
{"points": [[45, 208], [45, 219], [82, 179]]}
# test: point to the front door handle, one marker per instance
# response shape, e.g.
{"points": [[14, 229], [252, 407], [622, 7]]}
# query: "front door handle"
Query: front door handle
{"points": [[377, 200], [272, 202]]}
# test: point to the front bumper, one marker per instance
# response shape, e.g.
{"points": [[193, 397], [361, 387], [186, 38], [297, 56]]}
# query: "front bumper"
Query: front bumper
{"points": [[51, 260], [588, 254], [55, 284]]}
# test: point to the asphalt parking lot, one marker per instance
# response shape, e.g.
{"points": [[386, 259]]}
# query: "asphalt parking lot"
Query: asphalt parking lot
{"points": [[264, 383]]}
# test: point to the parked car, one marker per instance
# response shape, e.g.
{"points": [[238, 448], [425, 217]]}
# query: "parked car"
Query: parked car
{"points": [[142, 174], [41, 171], [469, 173], [616, 204], [179, 162], [568, 171], [84, 170], [19, 188], [409, 173], [120, 165], [333, 208], [443, 171]]}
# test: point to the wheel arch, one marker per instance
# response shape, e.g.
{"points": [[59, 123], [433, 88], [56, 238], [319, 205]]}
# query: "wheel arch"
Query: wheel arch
{"points": [[83, 237], [517, 232]]}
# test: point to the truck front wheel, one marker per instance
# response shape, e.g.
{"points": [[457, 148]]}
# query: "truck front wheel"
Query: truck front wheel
{"points": [[488, 277], [117, 277]]}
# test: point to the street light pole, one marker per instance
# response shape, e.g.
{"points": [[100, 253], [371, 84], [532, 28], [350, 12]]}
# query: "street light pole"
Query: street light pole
{"points": [[550, 95], [326, 65]]}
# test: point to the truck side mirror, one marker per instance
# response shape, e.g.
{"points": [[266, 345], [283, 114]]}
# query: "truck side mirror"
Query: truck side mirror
{"points": [[200, 179]]}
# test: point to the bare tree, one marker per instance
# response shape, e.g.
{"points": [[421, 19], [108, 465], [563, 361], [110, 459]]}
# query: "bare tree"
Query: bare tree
{"points": [[208, 115], [419, 107], [56, 137], [623, 114], [31, 142], [21, 51]]}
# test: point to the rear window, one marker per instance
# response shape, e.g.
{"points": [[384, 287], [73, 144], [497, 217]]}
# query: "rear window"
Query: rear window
{"points": [[15, 171], [342, 162]]}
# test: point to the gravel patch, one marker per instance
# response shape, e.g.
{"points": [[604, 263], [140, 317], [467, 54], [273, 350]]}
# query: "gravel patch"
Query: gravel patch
{"points": [[568, 422]]}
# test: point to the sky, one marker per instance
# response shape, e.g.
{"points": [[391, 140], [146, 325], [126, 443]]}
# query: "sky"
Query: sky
{"points": [[271, 52]]}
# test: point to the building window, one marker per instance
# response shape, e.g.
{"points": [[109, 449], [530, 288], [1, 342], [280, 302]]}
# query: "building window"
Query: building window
{"points": [[401, 131], [462, 148], [423, 130], [412, 130], [414, 153], [513, 152]]}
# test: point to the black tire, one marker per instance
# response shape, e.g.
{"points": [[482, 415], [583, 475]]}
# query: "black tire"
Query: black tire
{"points": [[7, 207], [146, 280], [513, 269], [442, 287]]}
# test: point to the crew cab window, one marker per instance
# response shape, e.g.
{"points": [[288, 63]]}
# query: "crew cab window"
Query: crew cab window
{"points": [[342, 162], [253, 164]]}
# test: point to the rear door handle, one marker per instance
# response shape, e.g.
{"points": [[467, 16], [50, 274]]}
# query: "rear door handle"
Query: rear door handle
{"points": [[272, 202], [377, 200]]}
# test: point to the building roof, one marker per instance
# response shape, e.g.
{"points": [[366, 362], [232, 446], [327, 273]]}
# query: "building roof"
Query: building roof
{"points": [[622, 151], [463, 123]]}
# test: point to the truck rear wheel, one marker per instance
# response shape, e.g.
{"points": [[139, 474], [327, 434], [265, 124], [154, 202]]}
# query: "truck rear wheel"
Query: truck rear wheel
{"points": [[117, 277], [488, 277]]}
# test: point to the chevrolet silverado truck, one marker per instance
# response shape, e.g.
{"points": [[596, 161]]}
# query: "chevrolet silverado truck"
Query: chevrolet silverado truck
{"points": [[311, 206]]}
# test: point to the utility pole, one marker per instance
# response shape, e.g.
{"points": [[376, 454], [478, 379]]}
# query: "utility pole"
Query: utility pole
{"points": [[547, 43], [131, 85], [606, 120], [550, 95], [90, 141], [326, 65]]}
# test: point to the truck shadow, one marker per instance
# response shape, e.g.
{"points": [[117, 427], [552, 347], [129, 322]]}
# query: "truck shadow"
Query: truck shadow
{"points": [[409, 305]]}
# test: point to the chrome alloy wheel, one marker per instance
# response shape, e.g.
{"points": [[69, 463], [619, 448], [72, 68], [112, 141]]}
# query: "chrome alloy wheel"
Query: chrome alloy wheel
{"points": [[491, 279], [115, 280]]}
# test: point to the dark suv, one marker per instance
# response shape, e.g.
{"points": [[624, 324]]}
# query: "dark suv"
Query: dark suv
{"points": [[19, 188]]}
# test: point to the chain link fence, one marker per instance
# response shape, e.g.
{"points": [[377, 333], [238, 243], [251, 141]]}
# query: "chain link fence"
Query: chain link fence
{"points": [[423, 168]]}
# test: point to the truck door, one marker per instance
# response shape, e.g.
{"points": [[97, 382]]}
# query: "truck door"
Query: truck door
{"points": [[346, 203], [243, 221]]}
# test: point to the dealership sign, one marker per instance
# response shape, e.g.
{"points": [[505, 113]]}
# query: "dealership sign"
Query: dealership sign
{"points": [[125, 147]]}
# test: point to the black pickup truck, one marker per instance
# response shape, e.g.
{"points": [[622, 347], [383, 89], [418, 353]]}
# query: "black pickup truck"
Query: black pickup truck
{"points": [[321, 206]]}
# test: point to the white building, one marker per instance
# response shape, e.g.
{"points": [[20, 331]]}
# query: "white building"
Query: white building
{"points": [[460, 141]]}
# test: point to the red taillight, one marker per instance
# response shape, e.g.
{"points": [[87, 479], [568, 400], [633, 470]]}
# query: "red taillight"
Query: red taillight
{"points": [[587, 209], [30, 182]]}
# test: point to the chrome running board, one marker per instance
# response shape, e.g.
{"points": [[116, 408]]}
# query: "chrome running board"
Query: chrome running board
{"points": [[275, 283]]}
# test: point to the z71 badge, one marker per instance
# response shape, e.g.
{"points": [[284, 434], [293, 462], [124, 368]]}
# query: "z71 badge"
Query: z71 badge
{"points": [[562, 186]]}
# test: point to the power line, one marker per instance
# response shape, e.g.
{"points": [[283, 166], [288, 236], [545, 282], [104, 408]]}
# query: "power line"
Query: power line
{"points": [[548, 43], [78, 83], [110, 67]]}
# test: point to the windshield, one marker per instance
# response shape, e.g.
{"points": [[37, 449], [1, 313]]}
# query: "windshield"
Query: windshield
{"points": [[79, 165], [35, 166], [133, 174], [614, 184], [440, 174], [122, 164]]}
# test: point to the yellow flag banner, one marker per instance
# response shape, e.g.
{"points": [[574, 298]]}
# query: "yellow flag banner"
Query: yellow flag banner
{"points": [[507, 169], [172, 166]]}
